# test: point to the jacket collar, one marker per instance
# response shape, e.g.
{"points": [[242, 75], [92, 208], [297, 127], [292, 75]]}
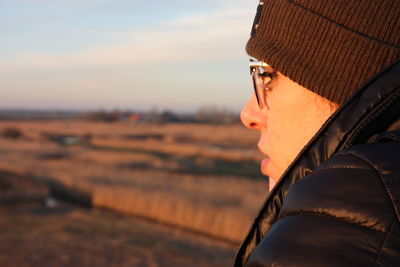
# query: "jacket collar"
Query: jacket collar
{"points": [[371, 111]]}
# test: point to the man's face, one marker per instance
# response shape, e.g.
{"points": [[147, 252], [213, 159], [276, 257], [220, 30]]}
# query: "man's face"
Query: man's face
{"points": [[295, 114]]}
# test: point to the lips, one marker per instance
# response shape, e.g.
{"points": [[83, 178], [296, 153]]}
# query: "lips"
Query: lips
{"points": [[264, 162], [263, 166]]}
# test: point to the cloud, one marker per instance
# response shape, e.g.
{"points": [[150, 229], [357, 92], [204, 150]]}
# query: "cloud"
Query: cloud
{"points": [[113, 71], [201, 37]]}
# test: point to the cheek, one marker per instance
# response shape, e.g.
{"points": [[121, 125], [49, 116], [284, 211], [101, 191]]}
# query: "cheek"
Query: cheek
{"points": [[273, 140], [285, 136]]}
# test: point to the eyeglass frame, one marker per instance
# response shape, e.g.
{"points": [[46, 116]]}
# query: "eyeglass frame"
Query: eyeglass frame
{"points": [[261, 89]]}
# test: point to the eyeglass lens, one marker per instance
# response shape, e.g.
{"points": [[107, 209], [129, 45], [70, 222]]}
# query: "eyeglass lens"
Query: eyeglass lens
{"points": [[258, 86]]}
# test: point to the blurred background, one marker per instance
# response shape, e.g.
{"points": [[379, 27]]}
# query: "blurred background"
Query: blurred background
{"points": [[120, 139]]}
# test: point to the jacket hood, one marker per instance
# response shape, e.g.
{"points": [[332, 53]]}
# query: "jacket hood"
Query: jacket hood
{"points": [[374, 109]]}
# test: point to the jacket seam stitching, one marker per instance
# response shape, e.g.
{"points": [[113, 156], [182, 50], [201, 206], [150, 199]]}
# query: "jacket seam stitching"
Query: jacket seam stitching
{"points": [[380, 178], [392, 136], [383, 242], [342, 167], [325, 215]]}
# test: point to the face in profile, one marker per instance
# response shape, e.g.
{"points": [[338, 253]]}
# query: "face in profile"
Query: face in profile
{"points": [[290, 117]]}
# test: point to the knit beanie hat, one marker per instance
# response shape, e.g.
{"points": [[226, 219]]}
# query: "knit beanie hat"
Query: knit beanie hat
{"points": [[330, 47]]}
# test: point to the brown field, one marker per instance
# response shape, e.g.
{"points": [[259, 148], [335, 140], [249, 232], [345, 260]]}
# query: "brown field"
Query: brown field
{"points": [[33, 235], [202, 178]]}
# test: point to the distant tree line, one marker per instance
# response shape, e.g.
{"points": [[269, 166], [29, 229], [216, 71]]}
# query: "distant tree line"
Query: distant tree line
{"points": [[212, 115], [206, 114]]}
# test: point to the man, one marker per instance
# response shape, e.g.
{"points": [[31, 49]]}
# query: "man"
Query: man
{"points": [[327, 105]]}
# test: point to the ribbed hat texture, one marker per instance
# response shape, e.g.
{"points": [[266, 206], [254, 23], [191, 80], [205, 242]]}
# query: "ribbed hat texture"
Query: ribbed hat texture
{"points": [[330, 47]]}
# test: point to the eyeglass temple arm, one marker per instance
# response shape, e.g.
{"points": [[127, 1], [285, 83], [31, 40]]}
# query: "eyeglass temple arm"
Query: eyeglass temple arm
{"points": [[257, 64]]}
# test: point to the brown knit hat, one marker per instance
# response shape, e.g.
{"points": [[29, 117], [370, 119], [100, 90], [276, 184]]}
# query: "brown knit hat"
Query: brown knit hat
{"points": [[330, 47]]}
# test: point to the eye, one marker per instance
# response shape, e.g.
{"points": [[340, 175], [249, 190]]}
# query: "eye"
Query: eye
{"points": [[268, 75]]}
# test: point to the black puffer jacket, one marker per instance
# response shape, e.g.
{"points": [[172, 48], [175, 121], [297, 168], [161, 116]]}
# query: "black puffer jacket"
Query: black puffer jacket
{"points": [[338, 204]]}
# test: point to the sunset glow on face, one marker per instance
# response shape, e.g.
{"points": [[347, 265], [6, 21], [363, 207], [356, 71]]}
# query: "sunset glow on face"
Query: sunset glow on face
{"points": [[295, 114], [123, 54]]}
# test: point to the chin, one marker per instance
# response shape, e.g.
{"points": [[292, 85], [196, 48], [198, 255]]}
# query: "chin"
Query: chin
{"points": [[273, 179], [269, 171], [271, 184]]}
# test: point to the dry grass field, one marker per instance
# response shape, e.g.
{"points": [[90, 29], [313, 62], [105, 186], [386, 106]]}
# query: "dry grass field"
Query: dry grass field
{"points": [[202, 178], [33, 235]]}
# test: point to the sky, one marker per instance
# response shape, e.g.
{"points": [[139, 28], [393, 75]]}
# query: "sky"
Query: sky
{"points": [[124, 54]]}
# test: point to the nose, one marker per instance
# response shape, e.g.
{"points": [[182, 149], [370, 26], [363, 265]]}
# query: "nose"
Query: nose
{"points": [[251, 115]]}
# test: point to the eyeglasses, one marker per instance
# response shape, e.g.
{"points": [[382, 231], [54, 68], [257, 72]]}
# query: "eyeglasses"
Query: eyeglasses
{"points": [[261, 79]]}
